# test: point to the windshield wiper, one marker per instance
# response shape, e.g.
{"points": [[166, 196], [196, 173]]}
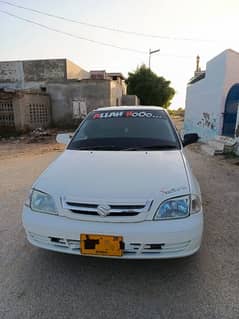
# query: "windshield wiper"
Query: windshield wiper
{"points": [[151, 147], [98, 147], [133, 148]]}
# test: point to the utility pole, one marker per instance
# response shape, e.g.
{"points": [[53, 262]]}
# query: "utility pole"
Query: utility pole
{"points": [[150, 53]]}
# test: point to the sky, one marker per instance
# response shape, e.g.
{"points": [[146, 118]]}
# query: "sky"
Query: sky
{"points": [[210, 27]]}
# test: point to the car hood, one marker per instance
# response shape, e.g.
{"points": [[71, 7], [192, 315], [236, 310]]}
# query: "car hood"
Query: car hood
{"points": [[116, 175]]}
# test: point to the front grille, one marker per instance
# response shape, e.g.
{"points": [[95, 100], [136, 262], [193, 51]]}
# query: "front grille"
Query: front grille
{"points": [[110, 214], [156, 248], [56, 241], [164, 248], [115, 209]]}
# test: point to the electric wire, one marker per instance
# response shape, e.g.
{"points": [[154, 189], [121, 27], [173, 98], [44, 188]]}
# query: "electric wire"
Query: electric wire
{"points": [[102, 27], [73, 35]]}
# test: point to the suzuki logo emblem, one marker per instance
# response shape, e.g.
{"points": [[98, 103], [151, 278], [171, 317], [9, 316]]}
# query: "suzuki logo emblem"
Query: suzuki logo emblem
{"points": [[103, 210]]}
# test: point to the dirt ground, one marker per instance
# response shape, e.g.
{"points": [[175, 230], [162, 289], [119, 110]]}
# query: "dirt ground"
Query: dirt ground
{"points": [[36, 284], [26, 145]]}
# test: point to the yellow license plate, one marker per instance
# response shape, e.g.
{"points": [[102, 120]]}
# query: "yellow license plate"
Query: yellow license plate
{"points": [[103, 245]]}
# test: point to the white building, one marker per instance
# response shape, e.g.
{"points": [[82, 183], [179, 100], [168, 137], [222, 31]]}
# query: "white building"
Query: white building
{"points": [[213, 97]]}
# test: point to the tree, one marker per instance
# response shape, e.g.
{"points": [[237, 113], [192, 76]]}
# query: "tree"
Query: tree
{"points": [[150, 88]]}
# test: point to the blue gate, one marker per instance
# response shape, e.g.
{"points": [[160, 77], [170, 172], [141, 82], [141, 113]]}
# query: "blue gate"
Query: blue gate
{"points": [[230, 113]]}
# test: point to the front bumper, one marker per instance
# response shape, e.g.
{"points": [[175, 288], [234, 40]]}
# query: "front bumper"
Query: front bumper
{"points": [[143, 240]]}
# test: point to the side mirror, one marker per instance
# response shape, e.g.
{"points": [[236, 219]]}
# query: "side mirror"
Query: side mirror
{"points": [[64, 138], [190, 139]]}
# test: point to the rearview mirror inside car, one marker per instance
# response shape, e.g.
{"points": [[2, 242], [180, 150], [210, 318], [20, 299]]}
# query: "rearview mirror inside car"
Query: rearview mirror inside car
{"points": [[190, 138]]}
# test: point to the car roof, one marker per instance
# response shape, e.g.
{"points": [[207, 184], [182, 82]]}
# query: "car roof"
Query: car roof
{"points": [[132, 107]]}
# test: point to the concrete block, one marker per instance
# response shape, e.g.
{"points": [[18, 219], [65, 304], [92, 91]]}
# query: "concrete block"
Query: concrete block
{"points": [[217, 145], [229, 141], [208, 149]]}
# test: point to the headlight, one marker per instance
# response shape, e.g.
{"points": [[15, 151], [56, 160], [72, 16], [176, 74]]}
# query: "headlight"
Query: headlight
{"points": [[179, 207], [42, 202], [174, 208]]}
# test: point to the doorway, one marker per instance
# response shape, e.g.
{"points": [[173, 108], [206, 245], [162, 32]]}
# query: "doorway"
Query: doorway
{"points": [[230, 113]]}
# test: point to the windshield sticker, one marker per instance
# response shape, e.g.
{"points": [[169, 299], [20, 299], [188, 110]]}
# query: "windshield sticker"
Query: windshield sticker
{"points": [[173, 190], [126, 114]]}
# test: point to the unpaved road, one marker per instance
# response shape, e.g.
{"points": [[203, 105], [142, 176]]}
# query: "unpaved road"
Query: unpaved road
{"points": [[39, 284]]}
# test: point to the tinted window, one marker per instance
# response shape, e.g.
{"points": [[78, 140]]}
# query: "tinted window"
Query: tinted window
{"points": [[125, 129]]}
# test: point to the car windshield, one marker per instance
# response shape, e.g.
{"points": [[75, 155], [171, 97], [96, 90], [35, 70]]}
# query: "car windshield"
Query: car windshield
{"points": [[125, 130]]}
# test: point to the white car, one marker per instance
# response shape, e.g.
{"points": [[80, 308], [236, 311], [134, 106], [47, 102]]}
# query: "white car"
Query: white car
{"points": [[122, 188]]}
